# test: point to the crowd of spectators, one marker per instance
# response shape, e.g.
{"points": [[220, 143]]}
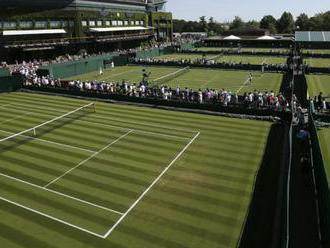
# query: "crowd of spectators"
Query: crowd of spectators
{"points": [[223, 97]]}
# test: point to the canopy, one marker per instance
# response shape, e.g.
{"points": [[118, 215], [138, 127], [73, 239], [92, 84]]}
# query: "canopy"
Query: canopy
{"points": [[232, 37], [33, 32], [117, 29], [266, 37]]}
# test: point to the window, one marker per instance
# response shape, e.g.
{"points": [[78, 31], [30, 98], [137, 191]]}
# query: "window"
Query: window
{"points": [[107, 23], [142, 23], [84, 23], [9, 25], [99, 23], [137, 22], [114, 23], [132, 23], [26, 24], [120, 23], [40, 24], [126, 23], [55, 24], [92, 23], [71, 24]]}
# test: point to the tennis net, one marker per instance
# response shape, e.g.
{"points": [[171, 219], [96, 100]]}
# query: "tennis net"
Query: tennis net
{"points": [[49, 125], [171, 76]]}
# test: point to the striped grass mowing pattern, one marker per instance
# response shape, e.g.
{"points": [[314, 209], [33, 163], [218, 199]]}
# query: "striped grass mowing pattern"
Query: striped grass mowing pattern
{"points": [[200, 201], [317, 84], [324, 137]]}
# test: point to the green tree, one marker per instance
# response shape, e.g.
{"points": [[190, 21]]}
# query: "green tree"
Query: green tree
{"points": [[268, 22], [303, 22], [203, 23], [286, 23], [237, 23]]}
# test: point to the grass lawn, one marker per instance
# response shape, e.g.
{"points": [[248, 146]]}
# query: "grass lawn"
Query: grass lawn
{"points": [[313, 62], [324, 136], [234, 81], [318, 51], [195, 78], [181, 56], [317, 84], [124, 176], [245, 49], [255, 60], [127, 73]]}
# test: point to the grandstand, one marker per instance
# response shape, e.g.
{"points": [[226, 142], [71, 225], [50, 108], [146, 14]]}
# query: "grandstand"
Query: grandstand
{"points": [[71, 25]]}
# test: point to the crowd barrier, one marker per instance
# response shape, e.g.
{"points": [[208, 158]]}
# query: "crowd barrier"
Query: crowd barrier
{"points": [[239, 109], [317, 70], [322, 185], [11, 83], [4, 72]]}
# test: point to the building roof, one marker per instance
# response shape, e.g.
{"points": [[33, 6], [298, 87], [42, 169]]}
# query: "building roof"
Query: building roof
{"points": [[33, 32], [312, 36], [232, 37], [266, 37], [118, 29]]}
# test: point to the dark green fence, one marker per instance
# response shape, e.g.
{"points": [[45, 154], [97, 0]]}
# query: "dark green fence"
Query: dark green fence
{"points": [[4, 72], [322, 186], [11, 83]]}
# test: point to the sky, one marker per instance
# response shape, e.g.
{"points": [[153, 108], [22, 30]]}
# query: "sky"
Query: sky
{"points": [[226, 10]]}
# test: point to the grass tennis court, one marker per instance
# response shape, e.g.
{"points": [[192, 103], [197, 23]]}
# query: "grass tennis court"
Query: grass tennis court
{"points": [[235, 81], [243, 49], [316, 62], [254, 60], [194, 78], [317, 84], [124, 176], [324, 136]]}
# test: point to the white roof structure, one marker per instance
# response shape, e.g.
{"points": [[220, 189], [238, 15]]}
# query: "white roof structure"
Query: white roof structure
{"points": [[33, 32], [266, 37], [232, 37], [117, 29]]}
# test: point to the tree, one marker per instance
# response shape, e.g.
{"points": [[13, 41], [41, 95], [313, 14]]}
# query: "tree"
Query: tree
{"points": [[237, 23], [203, 23], [268, 22], [286, 23], [303, 22], [252, 25]]}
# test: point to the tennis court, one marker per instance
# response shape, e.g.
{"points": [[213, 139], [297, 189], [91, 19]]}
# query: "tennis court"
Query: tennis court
{"points": [[108, 175], [317, 84], [317, 62], [191, 78], [254, 60], [324, 137], [243, 49]]}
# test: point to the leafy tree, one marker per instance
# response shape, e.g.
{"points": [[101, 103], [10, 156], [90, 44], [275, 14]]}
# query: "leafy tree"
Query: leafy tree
{"points": [[237, 23], [286, 23], [203, 24], [303, 22], [268, 22]]}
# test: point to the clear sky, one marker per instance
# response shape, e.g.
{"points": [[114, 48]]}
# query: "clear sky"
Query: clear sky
{"points": [[226, 10]]}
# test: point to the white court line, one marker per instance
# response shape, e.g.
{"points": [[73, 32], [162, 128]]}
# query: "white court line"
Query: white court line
{"points": [[51, 217], [242, 86], [120, 127], [15, 118], [87, 159], [62, 194], [147, 190], [51, 142]]}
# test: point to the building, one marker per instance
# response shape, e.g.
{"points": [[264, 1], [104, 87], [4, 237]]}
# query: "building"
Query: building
{"points": [[32, 27]]}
